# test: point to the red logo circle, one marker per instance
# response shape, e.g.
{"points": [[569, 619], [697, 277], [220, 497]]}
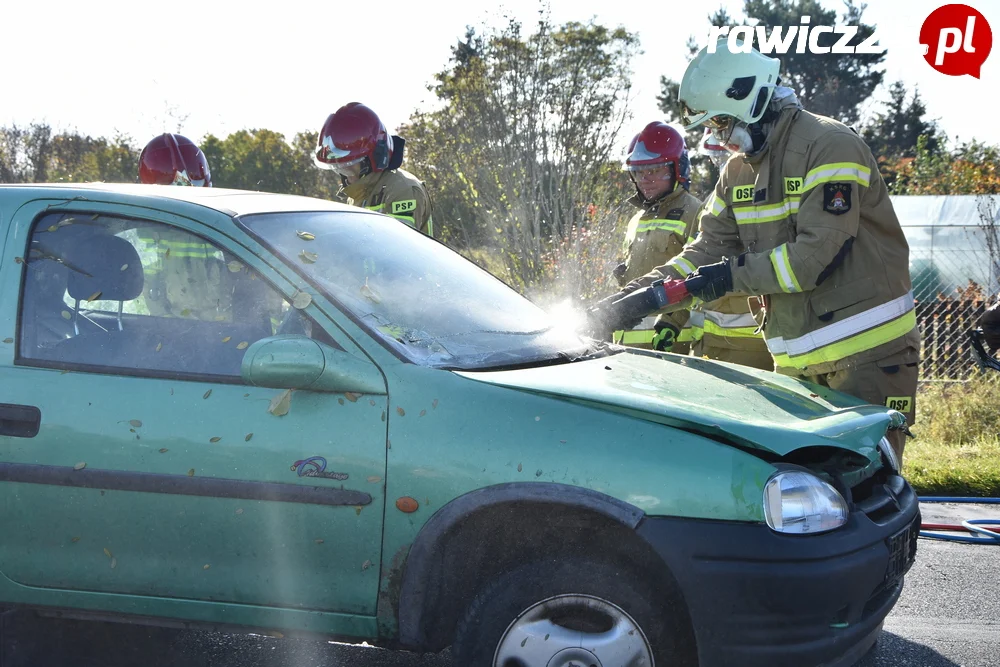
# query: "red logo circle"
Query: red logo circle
{"points": [[957, 39]]}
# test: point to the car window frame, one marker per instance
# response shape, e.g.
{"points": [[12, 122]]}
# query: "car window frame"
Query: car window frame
{"points": [[207, 232]]}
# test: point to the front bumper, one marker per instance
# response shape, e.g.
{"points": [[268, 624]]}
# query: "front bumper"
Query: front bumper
{"points": [[757, 597]]}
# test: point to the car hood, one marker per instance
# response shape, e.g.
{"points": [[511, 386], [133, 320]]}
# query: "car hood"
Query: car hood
{"points": [[746, 407]]}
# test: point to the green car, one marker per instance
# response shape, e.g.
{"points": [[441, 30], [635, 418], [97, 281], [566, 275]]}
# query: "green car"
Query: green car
{"points": [[268, 412]]}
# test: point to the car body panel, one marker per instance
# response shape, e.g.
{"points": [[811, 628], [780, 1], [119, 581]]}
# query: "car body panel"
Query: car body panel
{"points": [[754, 408]]}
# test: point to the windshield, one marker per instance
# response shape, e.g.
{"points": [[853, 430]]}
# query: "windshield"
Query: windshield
{"points": [[414, 294]]}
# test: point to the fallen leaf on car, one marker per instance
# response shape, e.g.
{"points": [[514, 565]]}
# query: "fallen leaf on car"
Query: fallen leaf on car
{"points": [[135, 422], [434, 403], [247, 439], [94, 296], [19, 260], [66, 315], [341, 401], [227, 339], [124, 267], [374, 478], [80, 466], [239, 510], [206, 566], [107, 553], [8, 340], [234, 266], [75, 539], [519, 467], [308, 257], [215, 439], [302, 300], [370, 294], [357, 510], [423, 412], [318, 541], [53, 228], [351, 396], [164, 450], [401, 412], [159, 346], [114, 563], [305, 236], [207, 394], [367, 564], [191, 472], [280, 403], [186, 312], [242, 346]]}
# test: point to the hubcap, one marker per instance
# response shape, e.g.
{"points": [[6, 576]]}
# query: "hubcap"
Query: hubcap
{"points": [[573, 631]]}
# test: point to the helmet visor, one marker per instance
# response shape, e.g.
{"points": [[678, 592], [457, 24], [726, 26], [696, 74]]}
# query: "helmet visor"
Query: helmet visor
{"points": [[348, 169], [183, 178]]}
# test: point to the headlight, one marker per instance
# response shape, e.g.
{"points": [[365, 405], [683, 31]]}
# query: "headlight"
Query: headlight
{"points": [[799, 502], [890, 454]]}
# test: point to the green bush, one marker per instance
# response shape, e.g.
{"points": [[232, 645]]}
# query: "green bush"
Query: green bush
{"points": [[956, 450]]}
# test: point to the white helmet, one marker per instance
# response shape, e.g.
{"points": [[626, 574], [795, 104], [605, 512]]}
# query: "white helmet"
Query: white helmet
{"points": [[737, 85]]}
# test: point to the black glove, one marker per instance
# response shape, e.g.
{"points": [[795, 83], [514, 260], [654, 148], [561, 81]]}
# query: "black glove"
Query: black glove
{"points": [[619, 273], [665, 336], [990, 324], [711, 281]]}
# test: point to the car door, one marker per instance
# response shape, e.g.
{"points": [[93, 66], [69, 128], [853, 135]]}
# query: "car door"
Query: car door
{"points": [[133, 458]]}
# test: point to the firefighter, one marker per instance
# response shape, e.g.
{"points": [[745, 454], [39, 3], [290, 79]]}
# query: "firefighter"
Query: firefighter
{"points": [[800, 218], [354, 144], [728, 331], [657, 163], [187, 278]]}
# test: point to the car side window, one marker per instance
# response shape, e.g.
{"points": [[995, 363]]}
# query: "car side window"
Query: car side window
{"points": [[116, 294]]}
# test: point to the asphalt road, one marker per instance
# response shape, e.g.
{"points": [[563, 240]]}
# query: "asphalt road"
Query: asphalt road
{"points": [[948, 616]]}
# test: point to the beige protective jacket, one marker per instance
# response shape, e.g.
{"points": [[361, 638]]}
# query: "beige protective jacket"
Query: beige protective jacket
{"points": [[395, 192], [655, 234], [807, 224]]}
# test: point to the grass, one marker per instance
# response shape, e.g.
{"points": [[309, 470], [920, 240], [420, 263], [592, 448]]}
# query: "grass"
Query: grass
{"points": [[956, 451]]}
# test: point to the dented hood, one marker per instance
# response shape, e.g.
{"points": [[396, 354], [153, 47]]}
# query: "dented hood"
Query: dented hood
{"points": [[747, 407]]}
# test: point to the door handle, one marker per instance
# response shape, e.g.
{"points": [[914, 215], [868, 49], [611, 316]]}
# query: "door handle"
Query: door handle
{"points": [[19, 421]]}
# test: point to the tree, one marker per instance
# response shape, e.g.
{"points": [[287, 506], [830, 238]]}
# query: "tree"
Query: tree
{"points": [[969, 169], [893, 134], [261, 159], [522, 152]]}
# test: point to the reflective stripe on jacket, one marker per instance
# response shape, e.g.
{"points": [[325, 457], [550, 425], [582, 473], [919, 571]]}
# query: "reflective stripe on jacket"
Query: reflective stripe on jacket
{"points": [[808, 224], [655, 234]]}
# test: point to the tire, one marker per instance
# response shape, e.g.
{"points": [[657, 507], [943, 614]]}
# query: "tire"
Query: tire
{"points": [[621, 617]]}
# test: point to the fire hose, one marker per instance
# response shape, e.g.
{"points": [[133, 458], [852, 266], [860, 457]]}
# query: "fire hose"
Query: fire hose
{"points": [[978, 535]]}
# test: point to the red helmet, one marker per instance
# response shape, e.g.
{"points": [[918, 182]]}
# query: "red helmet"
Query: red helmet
{"points": [[353, 141], [659, 144], [171, 159]]}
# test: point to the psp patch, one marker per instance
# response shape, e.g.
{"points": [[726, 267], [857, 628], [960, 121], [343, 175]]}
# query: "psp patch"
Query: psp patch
{"points": [[837, 198], [675, 214], [901, 403]]}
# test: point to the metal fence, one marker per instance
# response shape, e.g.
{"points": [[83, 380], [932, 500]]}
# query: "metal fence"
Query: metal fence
{"points": [[948, 305]]}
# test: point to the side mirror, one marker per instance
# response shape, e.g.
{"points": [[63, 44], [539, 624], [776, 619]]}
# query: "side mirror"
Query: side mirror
{"points": [[298, 362]]}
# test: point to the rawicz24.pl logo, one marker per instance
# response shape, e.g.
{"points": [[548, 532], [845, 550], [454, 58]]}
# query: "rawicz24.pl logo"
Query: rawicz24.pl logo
{"points": [[780, 39]]}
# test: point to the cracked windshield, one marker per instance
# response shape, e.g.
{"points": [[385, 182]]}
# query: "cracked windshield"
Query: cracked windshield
{"points": [[556, 333]]}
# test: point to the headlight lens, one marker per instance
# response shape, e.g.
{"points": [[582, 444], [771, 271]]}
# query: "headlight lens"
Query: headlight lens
{"points": [[801, 503], [890, 454]]}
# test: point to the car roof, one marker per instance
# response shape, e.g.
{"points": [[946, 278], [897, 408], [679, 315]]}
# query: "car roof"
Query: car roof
{"points": [[229, 202]]}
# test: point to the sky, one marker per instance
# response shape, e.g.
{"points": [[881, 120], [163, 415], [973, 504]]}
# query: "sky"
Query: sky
{"points": [[218, 66]]}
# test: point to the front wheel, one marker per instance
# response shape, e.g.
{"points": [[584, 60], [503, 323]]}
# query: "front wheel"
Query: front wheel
{"points": [[570, 613]]}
